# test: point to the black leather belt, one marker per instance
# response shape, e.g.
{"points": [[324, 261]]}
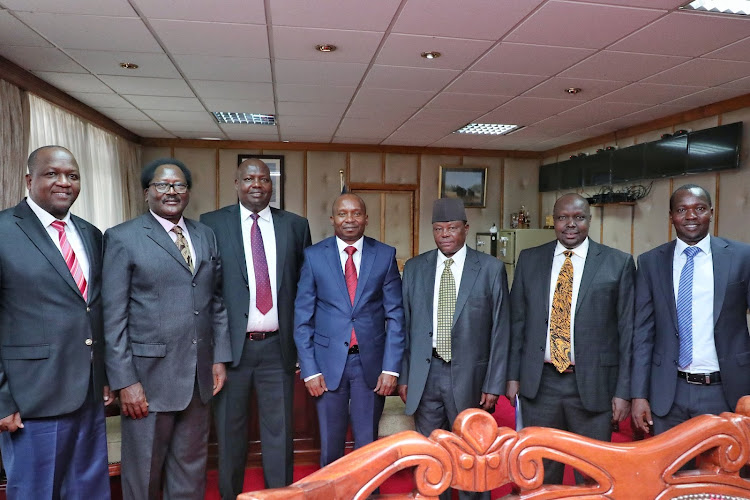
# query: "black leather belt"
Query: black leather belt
{"points": [[354, 349], [261, 335], [437, 356], [700, 378]]}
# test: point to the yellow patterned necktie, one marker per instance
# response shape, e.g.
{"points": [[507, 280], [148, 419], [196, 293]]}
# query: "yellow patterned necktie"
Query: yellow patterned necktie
{"points": [[559, 323], [183, 247], [446, 308]]}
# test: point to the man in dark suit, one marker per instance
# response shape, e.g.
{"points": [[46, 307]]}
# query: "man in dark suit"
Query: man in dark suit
{"points": [[457, 324], [166, 336], [349, 328], [691, 347], [52, 378], [572, 328], [259, 286]]}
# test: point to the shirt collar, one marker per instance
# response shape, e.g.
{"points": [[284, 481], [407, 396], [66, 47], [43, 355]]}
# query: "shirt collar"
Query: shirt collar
{"points": [[264, 214], [168, 225], [704, 244], [581, 250], [341, 244], [45, 217], [458, 257]]}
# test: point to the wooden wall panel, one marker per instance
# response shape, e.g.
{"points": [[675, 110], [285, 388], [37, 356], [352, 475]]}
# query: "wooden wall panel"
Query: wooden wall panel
{"points": [[366, 167], [428, 193], [202, 165], [521, 188], [227, 170], [322, 188], [294, 179], [401, 169]]}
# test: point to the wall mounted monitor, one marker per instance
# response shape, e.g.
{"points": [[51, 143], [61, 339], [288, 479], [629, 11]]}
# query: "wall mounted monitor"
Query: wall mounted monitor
{"points": [[549, 177], [597, 169], [667, 157], [716, 148], [571, 174], [628, 164]]}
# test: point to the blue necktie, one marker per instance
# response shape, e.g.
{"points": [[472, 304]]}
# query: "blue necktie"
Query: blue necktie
{"points": [[685, 308]]}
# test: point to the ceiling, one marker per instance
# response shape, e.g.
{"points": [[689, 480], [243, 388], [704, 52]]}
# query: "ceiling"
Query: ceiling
{"points": [[503, 61]]}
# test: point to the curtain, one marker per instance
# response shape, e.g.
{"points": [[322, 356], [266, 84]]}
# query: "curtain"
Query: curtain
{"points": [[106, 161], [14, 141]]}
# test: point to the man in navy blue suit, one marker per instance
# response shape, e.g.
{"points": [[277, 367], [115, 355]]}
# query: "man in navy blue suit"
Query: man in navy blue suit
{"points": [[349, 328]]}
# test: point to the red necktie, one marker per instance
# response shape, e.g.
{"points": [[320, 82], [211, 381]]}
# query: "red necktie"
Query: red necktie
{"points": [[350, 273], [70, 259], [263, 297]]}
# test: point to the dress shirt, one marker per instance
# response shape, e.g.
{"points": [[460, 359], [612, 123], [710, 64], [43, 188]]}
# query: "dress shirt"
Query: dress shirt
{"points": [[457, 269], [257, 322], [705, 359], [579, 261], [71, 232], [168, 225]]}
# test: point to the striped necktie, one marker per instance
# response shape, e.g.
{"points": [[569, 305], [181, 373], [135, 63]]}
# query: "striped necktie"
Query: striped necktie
{"points": [[685, 308], [70, 258], [559, 321]]}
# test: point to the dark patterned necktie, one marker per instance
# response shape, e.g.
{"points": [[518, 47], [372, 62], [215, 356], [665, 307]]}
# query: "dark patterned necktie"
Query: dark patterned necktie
{"points": [[446, 308], [559, 323], [263, 296], [350, 274], [183, 247], [70, 258]]}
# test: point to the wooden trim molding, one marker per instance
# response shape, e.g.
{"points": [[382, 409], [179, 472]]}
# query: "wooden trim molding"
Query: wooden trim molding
{"points": [[368, 186]]}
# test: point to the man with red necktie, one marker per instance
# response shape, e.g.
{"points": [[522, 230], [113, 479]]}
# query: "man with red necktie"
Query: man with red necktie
{"points": [[349, 328]]}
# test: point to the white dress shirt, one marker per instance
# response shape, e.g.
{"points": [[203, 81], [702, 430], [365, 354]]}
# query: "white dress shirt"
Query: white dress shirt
{"points": [[705, 359], [71, 233], [457, 270], [579, 261], [257, 322]]}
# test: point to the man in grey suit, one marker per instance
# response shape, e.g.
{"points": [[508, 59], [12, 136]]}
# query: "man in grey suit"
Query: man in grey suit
{"points": [[691, 347], [52, 378], [261, 330], [166, 337], [572, 327], [457, 326]]}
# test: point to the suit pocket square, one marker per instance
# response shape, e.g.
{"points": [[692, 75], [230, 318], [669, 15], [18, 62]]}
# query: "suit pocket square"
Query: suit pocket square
{"points": [[149, 350], [40, 351]]}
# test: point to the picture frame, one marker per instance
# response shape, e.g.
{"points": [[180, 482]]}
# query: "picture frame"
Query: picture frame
{"points": [[467, 183], [276, 167]]}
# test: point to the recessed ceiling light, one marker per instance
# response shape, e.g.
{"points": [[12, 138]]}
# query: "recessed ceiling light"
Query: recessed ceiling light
{"points": [[325, 47], [487, 129], [244, 118], [736, 7], [573, 90], [431, 55], [128, 65]]}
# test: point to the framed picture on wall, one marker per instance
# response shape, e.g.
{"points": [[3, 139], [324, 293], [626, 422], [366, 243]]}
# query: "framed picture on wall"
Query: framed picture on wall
{"points": [[276, 166], [467, 183]]}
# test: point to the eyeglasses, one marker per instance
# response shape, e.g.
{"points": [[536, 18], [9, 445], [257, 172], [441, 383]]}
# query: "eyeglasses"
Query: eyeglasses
{"points": [[164, 187]]}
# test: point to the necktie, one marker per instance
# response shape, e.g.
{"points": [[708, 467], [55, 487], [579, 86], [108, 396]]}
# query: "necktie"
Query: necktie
{"points": [[70, 259], [559, 323], [446, 308], [350, 274], [183, 247], [263, 296], [685, 308]]}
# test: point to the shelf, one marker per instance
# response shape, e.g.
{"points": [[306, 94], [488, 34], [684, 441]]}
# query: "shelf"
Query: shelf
{"points": [[625, 203]]}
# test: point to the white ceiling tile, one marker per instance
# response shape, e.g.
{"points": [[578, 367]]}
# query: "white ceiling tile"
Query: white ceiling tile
{"points": [[148, 86], [406, 50], [319, 72], [385, 114], [89, 7], [399, 77], [74, 82], [228, 69], [41, 59], [464, 141], [240, 132], [193, 117], [598, 111], [649, 93], [313, 93], [708, 96], [213, 39], [703, 72], [122, 113], [108, 63], [140, 125], [554, 88], [14, 32], [340, 139], [228, 11], [651, 4], [305, 138], [351, 14], [738, 51], [366, 127], [528, 59], [311, 108], [159, 132], [240, 106], [147, 102], [189, 126], [473, 102], [93, 32], [110, 100], [591, 26], [476, 82], [209, 134], [742, 83], [393, 97], [527, 110], [233, 90], [622, 66], [299, 44], [449, 116]]}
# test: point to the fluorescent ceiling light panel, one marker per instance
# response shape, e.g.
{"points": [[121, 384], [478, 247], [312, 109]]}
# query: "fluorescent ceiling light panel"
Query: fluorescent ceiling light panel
{"points": [[246, 118], [487, 129], [737, 7]]}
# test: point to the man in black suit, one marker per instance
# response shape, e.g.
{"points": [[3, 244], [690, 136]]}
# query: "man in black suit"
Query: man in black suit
{"points": [[259, 287], [572, 327], [691, 347], [52, 378]]}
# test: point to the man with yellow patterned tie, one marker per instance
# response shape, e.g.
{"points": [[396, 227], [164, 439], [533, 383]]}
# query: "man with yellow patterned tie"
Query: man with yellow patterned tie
{"points": [[572, 328]]}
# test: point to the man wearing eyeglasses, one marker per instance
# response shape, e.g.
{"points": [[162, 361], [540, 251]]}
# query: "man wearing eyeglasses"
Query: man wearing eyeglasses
{"points": [[166, 337], [572, 327]]}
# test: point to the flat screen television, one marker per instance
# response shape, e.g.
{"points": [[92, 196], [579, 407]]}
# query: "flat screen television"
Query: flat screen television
{"points": [[628, 164], [571, 174], [716, 148], [597, 169], [549, 177], [667, 157]]}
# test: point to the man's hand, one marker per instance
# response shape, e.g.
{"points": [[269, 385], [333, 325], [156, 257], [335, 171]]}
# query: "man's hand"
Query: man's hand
{"points": [[511, 391], [316, 386], [402, 391], [641, 414], [386, 384], [488, 401], [620, 409], [133, 402], [109, 396], [220, 376], [11, 423]]}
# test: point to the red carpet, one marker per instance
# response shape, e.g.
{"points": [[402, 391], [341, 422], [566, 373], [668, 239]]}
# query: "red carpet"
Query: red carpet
{"points": [[402, 482]]}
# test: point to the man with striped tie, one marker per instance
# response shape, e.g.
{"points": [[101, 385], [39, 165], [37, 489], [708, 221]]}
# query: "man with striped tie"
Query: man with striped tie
{"points": [[52, 378], [691, 347]]}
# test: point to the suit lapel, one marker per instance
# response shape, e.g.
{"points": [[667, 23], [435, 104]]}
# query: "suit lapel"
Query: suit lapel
{"points": [[334, 262], [722, 258], [84, 231], [234, 229], [468, 278], [548, 255], [665, 262], [590, 268], [156, 232], [365, 266], [428, 267], [281, 234], [200, 245]]}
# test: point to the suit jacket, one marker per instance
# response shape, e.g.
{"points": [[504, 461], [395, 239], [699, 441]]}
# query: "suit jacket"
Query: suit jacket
{"points": [[480, 333], [603, 329], [656, 344], [48, 333], [324, 315], [292, 234], [163, 325]]}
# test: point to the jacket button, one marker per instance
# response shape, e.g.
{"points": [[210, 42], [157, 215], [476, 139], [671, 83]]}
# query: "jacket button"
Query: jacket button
{"points": [[88, 309], [246, 315], [541, 348], [346, 344], [195, 312], [195, 341], [194, 285], [428, 360], [89, 342], [430, 334]]}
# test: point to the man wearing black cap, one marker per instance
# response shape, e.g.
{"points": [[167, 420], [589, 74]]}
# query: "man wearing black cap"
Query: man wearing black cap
{"points": [[457, 327]]}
